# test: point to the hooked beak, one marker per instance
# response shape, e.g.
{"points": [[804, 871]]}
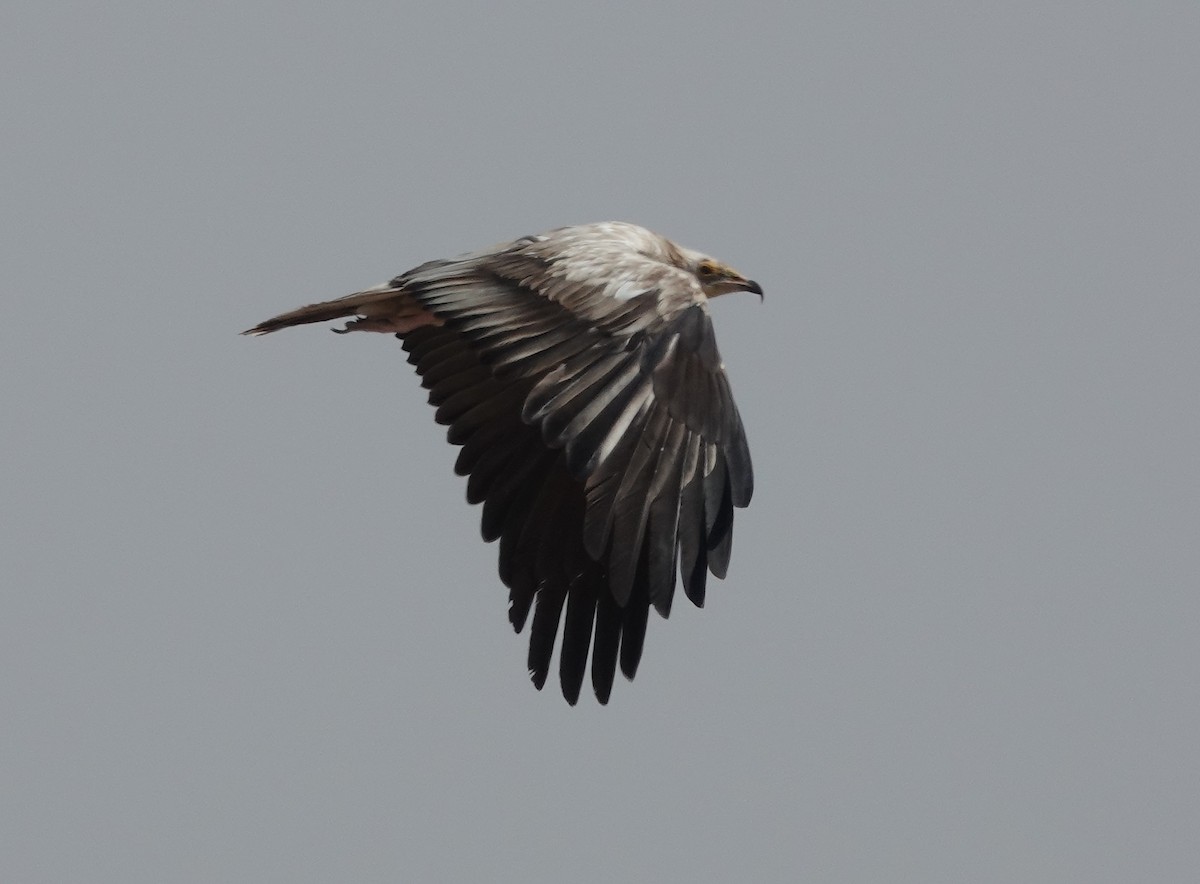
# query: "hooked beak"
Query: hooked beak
{"points": [[729, 280], [739, 283]]}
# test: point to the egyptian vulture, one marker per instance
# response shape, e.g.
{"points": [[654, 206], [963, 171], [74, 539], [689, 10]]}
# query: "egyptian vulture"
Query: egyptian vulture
{"points": [[579, 373]]}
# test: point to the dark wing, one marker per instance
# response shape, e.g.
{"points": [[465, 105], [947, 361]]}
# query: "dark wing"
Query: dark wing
{"points": [[599, 433]]}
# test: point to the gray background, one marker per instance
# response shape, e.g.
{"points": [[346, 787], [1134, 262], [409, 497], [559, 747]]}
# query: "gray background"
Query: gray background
{"points": [[248, 631]]}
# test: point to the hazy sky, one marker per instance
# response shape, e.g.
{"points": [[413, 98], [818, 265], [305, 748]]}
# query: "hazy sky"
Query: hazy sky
{"points": [[248, 631]]}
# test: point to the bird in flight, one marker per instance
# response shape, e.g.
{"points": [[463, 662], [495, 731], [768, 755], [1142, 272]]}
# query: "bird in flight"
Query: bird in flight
{"points": [[579, 373]]}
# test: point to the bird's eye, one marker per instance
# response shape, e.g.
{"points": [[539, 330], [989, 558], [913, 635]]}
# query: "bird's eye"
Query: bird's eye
{"points": [[708, 269]]}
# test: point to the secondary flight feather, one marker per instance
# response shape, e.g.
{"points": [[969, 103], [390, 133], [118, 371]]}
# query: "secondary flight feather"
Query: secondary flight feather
{"points": [[579, 373]]}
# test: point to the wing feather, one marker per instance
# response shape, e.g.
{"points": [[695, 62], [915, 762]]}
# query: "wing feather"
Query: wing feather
{"points": [[633, 624], [564, 424], [631, 507], [661, 518], [577, 636], [606, 640], [589, 444], [504, 489], [555, 404], [468, 379], [495, 403], [453, 363], [546, 613]]}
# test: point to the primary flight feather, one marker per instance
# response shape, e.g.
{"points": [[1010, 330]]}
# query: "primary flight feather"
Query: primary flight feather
{"points": [[578, 371]]}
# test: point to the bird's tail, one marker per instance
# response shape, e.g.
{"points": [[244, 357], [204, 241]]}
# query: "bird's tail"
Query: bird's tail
{"points": [[384, 308]]}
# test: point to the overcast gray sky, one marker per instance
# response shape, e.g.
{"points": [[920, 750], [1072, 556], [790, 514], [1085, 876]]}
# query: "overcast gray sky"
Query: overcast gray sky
{"points": [[249, 632]]}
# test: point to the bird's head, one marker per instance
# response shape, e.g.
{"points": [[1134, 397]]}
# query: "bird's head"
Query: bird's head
{"points": [[720, 279]]}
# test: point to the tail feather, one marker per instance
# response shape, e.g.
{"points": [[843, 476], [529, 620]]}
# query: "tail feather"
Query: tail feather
{"points": [[383, 309]]}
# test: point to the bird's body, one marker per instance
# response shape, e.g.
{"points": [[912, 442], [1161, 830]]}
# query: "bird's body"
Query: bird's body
{"points": [[579, 373]]}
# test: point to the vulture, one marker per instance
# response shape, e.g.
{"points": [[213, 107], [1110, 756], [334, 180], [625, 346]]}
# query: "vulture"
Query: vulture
{"points": [[578, 372]]}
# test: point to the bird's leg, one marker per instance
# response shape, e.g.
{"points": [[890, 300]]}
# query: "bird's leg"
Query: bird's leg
{"points": [[398, 323]]}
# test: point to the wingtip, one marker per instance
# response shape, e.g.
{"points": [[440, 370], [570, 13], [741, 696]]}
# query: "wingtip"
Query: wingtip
{"points": [[570, 694]]}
